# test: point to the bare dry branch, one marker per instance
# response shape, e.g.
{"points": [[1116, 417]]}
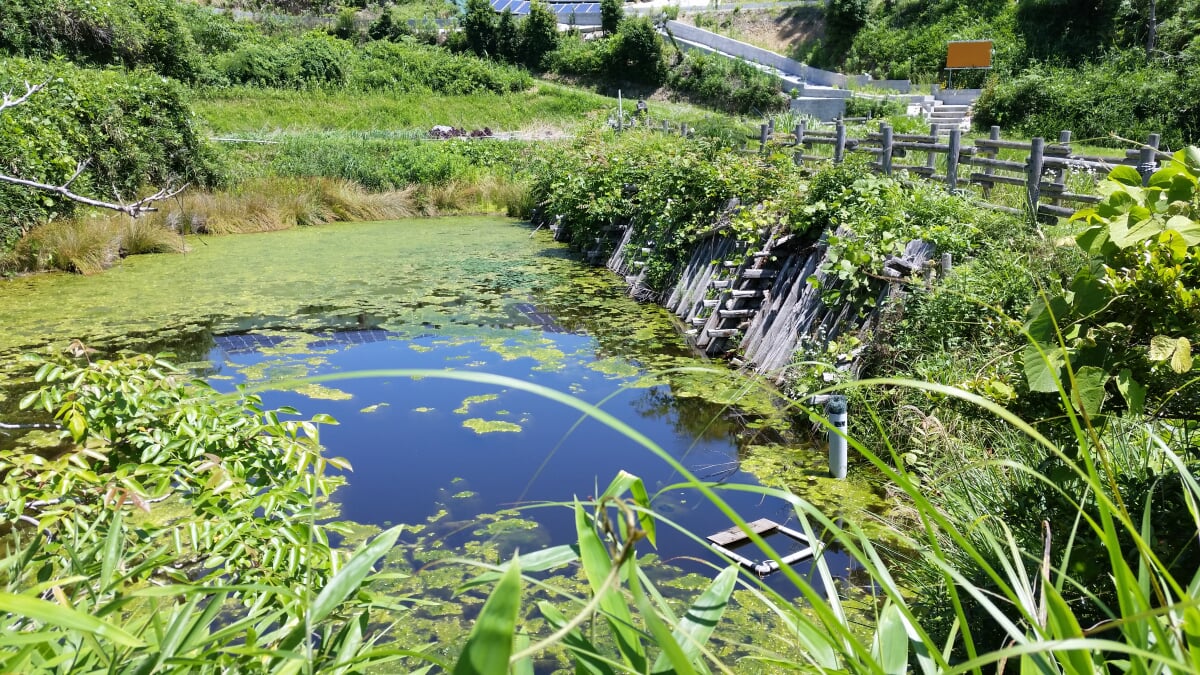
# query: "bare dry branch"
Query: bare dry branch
{"points": [[141, 206], [135, 209], [30, 89]]}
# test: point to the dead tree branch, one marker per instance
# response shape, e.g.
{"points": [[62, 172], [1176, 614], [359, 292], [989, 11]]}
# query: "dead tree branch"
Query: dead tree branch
{"points": [[30, 89], [135, 209]]}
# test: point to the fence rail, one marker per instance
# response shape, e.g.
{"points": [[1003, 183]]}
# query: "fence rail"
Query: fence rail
{"points": [[1042, 172]]}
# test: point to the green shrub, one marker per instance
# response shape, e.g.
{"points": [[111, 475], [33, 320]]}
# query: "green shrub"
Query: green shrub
{"points": [[404, 67], [637, 53], [131, 33], [135, 129], [859, 106], [732, 85], [539, 34], [1095, 101]]}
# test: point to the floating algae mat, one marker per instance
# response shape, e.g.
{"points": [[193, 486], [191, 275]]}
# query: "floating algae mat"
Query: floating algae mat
{"points": [[470, 294]]}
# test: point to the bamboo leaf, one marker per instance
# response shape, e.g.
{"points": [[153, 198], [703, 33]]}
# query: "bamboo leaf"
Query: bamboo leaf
{"points": [[65, 617], [538, 561], [681, 664], [491, 641], [637, 489], [596, 567], [351, 576], [701, 618], [890, 646], [587, 657]]}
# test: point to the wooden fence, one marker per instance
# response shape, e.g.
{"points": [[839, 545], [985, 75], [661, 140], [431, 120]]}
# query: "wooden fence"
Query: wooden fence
{"points": [[1042, 173]]}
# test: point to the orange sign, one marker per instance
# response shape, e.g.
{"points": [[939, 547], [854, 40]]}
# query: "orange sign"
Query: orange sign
{"points": [[969, 54]]}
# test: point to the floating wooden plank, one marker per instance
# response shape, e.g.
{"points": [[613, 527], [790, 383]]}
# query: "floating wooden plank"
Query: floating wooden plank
{"points": [[735, 535]]}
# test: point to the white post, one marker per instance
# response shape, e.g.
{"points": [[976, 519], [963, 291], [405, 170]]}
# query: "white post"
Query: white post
{"points": [[835, 411], [620, 112]]}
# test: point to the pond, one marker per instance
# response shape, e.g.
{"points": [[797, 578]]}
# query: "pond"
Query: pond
{"points": [[484, 295]]}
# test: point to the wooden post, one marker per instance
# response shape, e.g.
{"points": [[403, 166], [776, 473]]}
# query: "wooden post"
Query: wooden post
{"points": [[799, 156], [683, 129], [952, 159], [666, 126], [991, 153], [762, 138], [1146, 161], [1033, 177], [1060, 174], [931, 156], [771, 127], [885, 157], [839, 148]]}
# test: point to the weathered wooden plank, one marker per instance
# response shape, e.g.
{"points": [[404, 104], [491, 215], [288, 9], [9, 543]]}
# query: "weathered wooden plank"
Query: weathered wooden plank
{"points": [[912, 168], [1010, 145], [758, 274], [996, 178], [735, 534], [994, 163], [735, 313], [749, 293], [1060, 211], [721, 332]]}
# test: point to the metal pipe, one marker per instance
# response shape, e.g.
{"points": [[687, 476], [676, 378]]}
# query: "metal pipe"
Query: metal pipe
{"points": [[835, 411]]}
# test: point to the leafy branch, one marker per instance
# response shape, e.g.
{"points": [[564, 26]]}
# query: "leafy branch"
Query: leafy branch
{"points": [[134, 209]]}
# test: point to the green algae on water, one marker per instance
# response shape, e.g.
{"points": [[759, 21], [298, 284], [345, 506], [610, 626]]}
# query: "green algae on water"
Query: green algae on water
{"points": [[482, 426]]}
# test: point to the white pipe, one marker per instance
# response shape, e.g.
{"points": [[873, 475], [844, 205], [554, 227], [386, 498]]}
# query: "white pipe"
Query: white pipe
{"points": [[835, 411]]}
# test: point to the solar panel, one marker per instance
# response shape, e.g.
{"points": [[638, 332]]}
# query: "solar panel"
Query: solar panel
{"points": [[521, 8]]}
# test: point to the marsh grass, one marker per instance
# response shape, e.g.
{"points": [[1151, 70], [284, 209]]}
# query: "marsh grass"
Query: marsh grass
{"points": [[91, 243]]}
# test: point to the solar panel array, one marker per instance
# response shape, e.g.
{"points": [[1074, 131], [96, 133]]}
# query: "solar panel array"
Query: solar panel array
{"points": [[562, 9]]}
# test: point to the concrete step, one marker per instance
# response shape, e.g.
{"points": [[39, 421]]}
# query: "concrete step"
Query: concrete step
{"points": [[948, 107]]}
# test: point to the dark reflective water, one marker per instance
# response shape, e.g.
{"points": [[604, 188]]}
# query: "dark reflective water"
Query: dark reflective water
{"points": [[473, 295]]}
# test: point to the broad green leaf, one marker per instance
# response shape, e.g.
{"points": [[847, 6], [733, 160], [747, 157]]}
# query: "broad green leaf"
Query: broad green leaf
{"points": [[701, 619], [1043, 372], [490, 644], [890, 646], [538, 561], [1090, 294], [1126, 175], [1175, 352], [1093, 239], [637, 488], [587, 657], [596, 567], [671, 649], [1190, 157], [113, 544], [1063, 625], [1132, 391], [1088, 393], [1186, 227], [1141, 230], [65, 617], [350, 577], [1044, 314]]}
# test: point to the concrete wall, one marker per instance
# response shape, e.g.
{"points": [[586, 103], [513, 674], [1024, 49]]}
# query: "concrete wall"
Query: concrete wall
{"points": [[755, 54], [824, 109], [956, 96]]}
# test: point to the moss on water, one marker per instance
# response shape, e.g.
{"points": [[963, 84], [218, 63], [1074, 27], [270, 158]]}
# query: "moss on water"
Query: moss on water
{"points": [[482, 426], [472, 400]]}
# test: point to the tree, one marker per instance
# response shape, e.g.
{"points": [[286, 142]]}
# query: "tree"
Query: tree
{"points": [[135, 209], [508, 38], [611, 14], [843, 20], [479, 26], [637, 52], [539, 34]]}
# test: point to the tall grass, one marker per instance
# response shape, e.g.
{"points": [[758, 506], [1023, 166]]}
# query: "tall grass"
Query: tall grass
{"points": [[90, 244]]}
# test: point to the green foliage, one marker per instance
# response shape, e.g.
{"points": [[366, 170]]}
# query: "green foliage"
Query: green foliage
{"points": [[236, 552], [508, 38], [860, 106], [843, 20], [637, 53], [732, 85], [135, 129], [131, 33], [1126, 97], [1128, 319], [669, 188], [479, 27], [539, 34], [612, 12]]}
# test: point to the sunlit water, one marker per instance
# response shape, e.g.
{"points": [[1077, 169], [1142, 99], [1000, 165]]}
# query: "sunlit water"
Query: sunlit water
{"points": [[478, 295]]}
